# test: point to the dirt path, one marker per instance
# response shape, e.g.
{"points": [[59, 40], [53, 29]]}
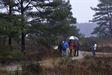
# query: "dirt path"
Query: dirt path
{"points": [[11, 67], [98, 54]]}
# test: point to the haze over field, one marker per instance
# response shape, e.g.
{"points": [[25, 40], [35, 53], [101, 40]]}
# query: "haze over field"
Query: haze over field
{"points": [[86, 28]]}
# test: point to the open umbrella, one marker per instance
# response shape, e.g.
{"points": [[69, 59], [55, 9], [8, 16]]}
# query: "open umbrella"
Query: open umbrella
{"points": [[73, 38]]}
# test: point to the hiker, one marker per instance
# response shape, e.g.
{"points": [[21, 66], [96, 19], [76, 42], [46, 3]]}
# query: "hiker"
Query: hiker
{"points": [[60, 47], [94, 48], [65, 46], [77, 48], [71, 47]]}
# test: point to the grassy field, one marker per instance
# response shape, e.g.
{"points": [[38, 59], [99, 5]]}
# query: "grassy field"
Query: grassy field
{"points": [[86, 66]]}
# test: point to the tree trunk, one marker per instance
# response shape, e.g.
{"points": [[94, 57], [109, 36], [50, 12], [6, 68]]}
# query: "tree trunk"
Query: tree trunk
{"points": [[22, 42], [10, 41], [10, 13]]}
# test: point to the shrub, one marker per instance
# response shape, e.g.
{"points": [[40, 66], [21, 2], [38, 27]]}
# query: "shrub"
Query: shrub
{"points": [[8, 55], [31, 69], [63, 61]]}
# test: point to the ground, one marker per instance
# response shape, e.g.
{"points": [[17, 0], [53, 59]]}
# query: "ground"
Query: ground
{"points": [[84, 61], [50, 62]]}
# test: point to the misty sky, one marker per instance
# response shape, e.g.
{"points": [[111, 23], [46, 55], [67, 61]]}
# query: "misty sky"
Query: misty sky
{"points": [[82, 11]]}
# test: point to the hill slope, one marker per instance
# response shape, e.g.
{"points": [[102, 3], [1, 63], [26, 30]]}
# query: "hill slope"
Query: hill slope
{"points": [[86, 28]]}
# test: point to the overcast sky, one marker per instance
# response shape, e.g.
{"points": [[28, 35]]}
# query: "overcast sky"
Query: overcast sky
{"points": [[81, 9]]}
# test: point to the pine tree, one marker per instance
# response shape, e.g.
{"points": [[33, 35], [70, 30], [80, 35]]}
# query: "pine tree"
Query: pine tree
{"points": [[46, 18], [9, 19], [103, 17], [22, 8], [52, 19]]}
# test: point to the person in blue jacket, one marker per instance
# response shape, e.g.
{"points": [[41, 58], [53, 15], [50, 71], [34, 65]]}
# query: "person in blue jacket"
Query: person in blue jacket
{"points": [[65, 46]]}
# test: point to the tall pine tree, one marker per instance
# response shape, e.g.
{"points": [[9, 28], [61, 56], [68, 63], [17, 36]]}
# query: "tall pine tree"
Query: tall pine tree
{"points": [[8, 28], [103, 17], [52, 19]]}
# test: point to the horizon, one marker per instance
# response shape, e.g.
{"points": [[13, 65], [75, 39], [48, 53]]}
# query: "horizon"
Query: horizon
{"points": [[86, 28]]}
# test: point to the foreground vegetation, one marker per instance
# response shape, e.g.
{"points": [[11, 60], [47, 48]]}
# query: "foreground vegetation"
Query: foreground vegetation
{"points": [[87, 66], [30, 62]]}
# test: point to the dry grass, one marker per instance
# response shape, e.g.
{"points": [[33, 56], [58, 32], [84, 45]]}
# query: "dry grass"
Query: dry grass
{"points": [[3, 73], [87, 66]]}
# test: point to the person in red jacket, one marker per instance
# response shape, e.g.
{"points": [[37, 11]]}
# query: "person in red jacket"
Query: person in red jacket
{"points": [[71, 47]]}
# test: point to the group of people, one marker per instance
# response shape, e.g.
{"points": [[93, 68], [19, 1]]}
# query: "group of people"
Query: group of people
{"points": [[72, 47], [69, 48]]}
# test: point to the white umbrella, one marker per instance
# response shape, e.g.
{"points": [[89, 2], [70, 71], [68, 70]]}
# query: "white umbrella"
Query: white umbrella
{"points": [[76, 38], [73, 38]]}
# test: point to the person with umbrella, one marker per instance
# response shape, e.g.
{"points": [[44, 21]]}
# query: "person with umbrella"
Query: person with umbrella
{"points": [[71, 43]]}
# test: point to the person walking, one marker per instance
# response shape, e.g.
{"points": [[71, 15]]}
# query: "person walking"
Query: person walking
{"points": [[71, 47], [94, 48], [77, 48], [60, 47], [65, 46]]}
